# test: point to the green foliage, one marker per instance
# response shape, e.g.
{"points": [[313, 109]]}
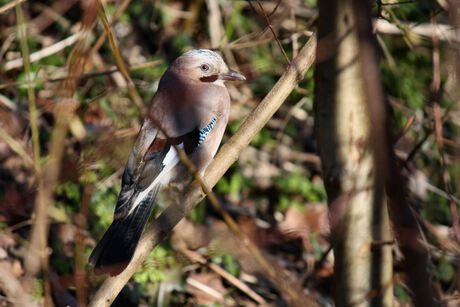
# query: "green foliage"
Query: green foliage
{"points": [[317, 250], [68, 201], [102, 205], [234, 126], [417, 11], [37, 292], [408, 83], [285, 202], [436, 209], [89, 177], [297, 183], [400, 293], [70, 190], [263, 138], [227, 262], [151, 73], [232, 184], [198, 214], [23, 77], [58, 60], [236, 20], [182, 42], [444, 271], [61, 264], [153, 269]]}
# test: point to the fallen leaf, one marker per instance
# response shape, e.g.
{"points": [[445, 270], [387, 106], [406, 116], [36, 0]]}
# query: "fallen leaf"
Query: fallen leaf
{"points": [[207, 288]]}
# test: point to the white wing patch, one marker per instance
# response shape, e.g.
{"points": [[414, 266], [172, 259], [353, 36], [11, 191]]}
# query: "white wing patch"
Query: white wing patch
{"points": [[171, 159]]}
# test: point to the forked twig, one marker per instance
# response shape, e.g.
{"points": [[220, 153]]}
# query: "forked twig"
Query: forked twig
{"points": [[273, 31]]}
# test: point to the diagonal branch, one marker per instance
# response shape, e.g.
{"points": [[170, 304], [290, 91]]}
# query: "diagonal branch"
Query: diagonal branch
{"points": [[228, 154]]}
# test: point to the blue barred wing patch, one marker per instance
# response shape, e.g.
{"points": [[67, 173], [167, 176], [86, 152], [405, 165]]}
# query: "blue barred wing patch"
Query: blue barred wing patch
{"points": [[205, 131]]}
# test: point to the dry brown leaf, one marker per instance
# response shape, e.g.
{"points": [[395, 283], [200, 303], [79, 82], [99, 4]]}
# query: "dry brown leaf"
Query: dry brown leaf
{"points": [[299, 224], [206, 287]]}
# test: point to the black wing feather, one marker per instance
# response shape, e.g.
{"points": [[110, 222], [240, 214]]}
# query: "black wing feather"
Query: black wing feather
{"points": [[116, 248]]}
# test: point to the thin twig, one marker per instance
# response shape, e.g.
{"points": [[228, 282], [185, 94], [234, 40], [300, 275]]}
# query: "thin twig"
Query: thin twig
{"points": [[85, 76], [228, 154], [35, 142], [286, 120], [215, 23], [120, 9], [406, 127], [16, 147], [119, 59], [444, 32], [81, 221], [206, 289], [10, 5], [397, 3], [196, 257], [435, 88], [52, 14], [273, 31], [43, 53], [30, 90]]}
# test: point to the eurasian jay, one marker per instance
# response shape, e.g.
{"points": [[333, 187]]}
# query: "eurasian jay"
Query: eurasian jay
{"points": [[188, 112]]}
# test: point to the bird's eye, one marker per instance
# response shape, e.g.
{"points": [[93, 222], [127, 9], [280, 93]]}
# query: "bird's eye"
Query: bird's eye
{"points": [[204, 67]]}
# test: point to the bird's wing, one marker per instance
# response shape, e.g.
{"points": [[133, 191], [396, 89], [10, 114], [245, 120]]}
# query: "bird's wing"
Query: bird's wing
{"points": [[150, 162], [148, 169]]}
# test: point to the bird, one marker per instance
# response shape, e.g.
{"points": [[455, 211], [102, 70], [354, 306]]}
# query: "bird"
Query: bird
{"points": [[188, 112]]}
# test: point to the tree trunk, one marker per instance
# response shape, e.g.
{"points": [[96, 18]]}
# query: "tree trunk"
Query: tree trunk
{"points": [[358, 211]]}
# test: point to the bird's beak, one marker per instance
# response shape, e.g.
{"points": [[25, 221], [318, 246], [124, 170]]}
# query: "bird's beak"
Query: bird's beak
{"points": [[232, 75]]}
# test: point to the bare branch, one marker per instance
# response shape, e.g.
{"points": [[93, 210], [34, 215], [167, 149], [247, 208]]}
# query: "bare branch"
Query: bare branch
{"points": [[43, 53], [10, 5], [443, 32]]}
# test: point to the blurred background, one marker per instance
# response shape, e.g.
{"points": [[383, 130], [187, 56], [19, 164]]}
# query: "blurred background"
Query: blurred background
{"points": [[69, 116]]}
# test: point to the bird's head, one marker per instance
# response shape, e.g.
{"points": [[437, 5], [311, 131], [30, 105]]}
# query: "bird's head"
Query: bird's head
{"points": [[206, 66]]}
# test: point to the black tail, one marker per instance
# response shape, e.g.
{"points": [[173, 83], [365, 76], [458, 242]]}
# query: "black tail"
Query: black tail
{"points": [[116, 248]]}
